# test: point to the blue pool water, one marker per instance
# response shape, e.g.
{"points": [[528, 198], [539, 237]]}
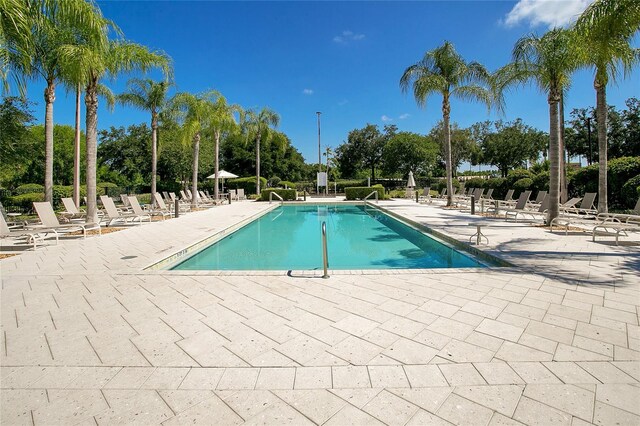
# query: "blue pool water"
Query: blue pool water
{"points": [[359, 237]]}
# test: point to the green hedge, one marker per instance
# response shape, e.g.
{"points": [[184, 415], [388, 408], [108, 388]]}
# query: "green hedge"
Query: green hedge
{"points": [[286, 194], [541, 181], [287, 184], [359, 192], [28, 188], [517, 174], [631, 192], [25, 201], [342, 184], [619, 172], [246, 183], [522, 185]]}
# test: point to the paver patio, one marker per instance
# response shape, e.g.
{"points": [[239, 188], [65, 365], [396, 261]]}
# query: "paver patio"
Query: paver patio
{"points": [[90, 337]]}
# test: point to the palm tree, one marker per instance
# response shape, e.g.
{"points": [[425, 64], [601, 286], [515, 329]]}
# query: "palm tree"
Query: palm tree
{"points": [[151, 96], [443, 71], [52, 25], [549, 61], [196, 112], [606, 29], [15, 44], [94, 59], [222, 120], [258, 125]]}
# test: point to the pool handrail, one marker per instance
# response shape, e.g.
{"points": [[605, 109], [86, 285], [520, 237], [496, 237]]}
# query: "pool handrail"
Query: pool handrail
{"points": [[325, 254], [271, 194], [372, 193]]}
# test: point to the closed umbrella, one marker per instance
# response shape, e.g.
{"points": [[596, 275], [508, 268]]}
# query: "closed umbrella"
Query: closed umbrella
{"points": [[411, 182]]}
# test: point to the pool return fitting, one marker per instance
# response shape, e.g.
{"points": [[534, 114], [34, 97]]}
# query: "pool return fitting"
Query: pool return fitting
{"points": [[325, 255]]}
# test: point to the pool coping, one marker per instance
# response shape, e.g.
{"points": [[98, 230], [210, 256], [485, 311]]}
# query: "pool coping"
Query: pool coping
{"points": [[162, 266]]}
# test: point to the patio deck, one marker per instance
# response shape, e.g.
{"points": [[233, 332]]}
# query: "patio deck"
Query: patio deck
{"points": [[90, 337]]}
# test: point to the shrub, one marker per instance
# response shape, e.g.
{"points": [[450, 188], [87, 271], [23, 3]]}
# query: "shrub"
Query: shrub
{"points": [[274, 181], [440, 184], [110, 189], [29, 188], [620, 171], [522, 185], [246, 183], [359, 192], [342, 184], [475, 182], [584, 180], [25, 201], [287, 184], [631, 192], [286, 194], [515, 175], [541, 181]]}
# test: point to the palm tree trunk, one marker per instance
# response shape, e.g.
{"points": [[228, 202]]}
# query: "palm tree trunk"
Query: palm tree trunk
{"points": [[554, 160], [154, 156], [76, 153], [601, 113], [564, 186], [446, 111], [258, 164], [91, 102], [49, 99], [217, 163], [194, 183]]}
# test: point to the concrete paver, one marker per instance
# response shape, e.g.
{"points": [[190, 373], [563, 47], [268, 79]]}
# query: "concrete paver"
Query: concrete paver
{"points": [[88, 334]]}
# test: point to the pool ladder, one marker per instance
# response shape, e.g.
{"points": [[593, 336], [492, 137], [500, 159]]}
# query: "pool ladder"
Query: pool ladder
{"points": [[325, 255]]}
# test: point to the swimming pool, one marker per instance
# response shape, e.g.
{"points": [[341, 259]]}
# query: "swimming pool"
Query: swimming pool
{"points": [[359, 237]]}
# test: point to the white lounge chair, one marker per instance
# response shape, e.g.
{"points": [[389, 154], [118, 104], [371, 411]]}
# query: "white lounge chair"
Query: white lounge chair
{"points": [[115, 215], [50, 222], [137, 209], [521, 204], [426, 195], [541, 212], [72, 212], [31, 236]]}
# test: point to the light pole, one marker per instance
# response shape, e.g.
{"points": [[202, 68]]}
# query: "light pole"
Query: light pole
{"points": [[319, 154]]}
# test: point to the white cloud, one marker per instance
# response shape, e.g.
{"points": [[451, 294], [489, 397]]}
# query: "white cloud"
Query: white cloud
{"points": [[404, 116], [348, 36], [307, 92], [551, 13], [386, 119], [343, 102]]}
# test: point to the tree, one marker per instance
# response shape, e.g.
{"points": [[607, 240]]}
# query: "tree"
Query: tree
{"points": [[549, 61], [443, 71], [51, 25], [461, 144], [195, 113], [605, 30], [151, 96], [16, 43], [509, 145], [631, 119], [94, 58], [406, 151], [124, 157], [258, 126], [222, 120]]}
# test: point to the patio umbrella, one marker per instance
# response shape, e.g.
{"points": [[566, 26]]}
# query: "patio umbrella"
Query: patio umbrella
{"points": [[411, 182], [223, 174]]}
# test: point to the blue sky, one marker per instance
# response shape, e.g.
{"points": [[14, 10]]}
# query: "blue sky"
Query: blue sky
{"points": [[344, 59]]}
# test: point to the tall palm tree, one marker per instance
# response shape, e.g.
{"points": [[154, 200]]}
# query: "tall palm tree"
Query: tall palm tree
{"points": [[195, 112], [606, 29], [443, 71], [150, 96], [258, 126], [15, 44], [96, 59], [548, 61], [222, 121], [52, 25]]}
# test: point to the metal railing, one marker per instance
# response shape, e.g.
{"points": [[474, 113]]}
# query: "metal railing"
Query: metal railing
{"points": [[372, 193], [325, 255], [271, 194]]}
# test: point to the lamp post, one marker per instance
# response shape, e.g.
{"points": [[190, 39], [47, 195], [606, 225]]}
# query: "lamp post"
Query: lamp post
{"points": [[319, 154]]}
